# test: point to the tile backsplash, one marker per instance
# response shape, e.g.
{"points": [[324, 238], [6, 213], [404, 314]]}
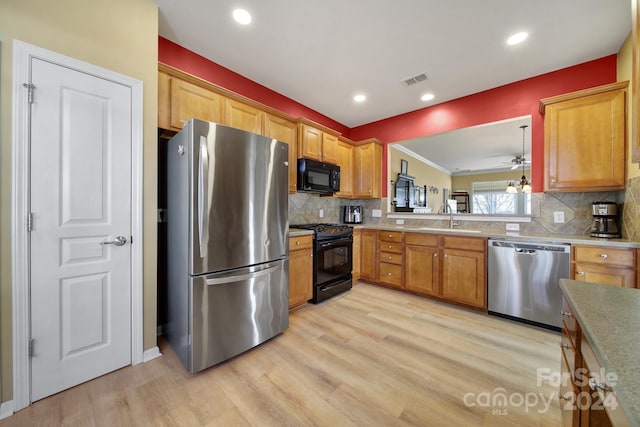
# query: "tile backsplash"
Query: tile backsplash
{"points": [[305, 208]]}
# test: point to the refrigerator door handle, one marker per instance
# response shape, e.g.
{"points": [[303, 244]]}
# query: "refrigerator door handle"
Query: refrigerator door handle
{"points": [[203, 197], [239, 277]]}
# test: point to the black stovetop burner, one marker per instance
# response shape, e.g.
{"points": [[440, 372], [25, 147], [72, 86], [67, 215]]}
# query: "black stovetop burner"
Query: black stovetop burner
{"points": [[327, 231]]}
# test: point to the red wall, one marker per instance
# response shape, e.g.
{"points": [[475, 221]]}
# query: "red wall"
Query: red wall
{"points": [[512, 100]]}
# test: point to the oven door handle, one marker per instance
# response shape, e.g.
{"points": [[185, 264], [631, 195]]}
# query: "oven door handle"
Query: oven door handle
{"points": [[334, 243]]}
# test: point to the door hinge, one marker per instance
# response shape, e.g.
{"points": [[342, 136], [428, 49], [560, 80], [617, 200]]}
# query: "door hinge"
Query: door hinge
{"points": [[29, 222], [30, 349], [30, 88], [131, 240]]}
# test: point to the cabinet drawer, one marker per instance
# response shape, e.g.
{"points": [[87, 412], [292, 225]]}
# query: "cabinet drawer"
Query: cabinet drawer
{"points": [[605, 275], [567, 398], [390, 236], [569, 354], [390, 247], [421, 239], [390, 257], [569, 324], [390, 274], [467, 243], [300, 242], [602, 255]]}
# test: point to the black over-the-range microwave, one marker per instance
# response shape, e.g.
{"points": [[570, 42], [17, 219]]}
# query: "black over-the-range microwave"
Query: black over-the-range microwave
{"points": [[318, 177]]}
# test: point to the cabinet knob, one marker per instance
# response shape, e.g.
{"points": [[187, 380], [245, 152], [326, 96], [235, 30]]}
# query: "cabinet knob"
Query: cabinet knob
{"points": [[580, 273], [563, 397], [389, 235], [564, 345], [390, 246], [553, 180], [594, 384], [297, 243], [389, 257], [565, 313], [388, 274], [435, 254], [604, 256], [446, 256]]}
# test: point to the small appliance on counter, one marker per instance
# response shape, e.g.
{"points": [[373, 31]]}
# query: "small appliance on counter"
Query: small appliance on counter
{"points": [[605, 220], [352, 214]]}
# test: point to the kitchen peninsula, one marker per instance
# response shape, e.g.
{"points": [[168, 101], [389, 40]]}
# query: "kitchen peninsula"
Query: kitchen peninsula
{"points": [[602, 323]]}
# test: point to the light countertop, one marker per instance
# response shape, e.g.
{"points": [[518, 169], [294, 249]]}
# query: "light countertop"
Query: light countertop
{"points": [[296, 232], [548, 238], [610, 320]]}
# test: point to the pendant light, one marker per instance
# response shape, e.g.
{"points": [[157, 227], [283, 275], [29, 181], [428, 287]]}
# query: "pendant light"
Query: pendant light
{"points": [[524, 183]]}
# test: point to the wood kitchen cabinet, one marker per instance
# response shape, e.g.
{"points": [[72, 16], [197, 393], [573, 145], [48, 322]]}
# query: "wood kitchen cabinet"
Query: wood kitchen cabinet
{"points": [[390, 257], [317, 142], [604, 265], [368, 270], [286, 131], [570, 360], [243, 116], [182, 97], [582, 400], [421, 264], [357, 254], [368, 168], [345, 161], [585, 139], [450, 268], [464, 266], [300, 270], [186, 101]]}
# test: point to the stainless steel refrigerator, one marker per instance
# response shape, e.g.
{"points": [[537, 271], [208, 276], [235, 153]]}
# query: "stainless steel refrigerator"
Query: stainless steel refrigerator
{"points": [[227, 243]]}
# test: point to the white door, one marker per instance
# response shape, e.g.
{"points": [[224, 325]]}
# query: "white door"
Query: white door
{"points": [[80, 161]]}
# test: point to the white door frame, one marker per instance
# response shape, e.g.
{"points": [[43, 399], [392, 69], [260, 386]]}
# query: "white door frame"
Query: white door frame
{"points": [[20, 264]]}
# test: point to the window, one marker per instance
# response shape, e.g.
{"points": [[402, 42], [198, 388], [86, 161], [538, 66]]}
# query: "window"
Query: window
{"points": [[490, 197]]}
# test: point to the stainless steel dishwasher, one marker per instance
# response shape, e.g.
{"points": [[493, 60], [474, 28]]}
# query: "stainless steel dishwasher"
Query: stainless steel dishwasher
{"points": [[524, 280]]}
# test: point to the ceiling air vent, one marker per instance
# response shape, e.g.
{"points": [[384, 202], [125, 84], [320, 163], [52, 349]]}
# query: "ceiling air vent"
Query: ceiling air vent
{"points": [[415, 79]]}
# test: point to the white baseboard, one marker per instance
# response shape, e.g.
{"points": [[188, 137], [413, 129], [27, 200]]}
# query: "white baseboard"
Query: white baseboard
{"points": [[152, 353], [6, 409]]}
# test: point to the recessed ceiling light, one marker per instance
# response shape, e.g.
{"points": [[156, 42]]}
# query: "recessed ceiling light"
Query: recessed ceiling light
{"points": [[242, 16], [427, 97], [359, 98], [517, 38]]}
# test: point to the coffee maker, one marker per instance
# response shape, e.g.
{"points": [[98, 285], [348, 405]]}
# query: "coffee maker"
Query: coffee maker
{"points": [[605, 220], [352, 214]]}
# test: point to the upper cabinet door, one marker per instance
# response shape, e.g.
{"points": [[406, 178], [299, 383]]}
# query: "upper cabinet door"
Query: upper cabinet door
{"points": [[191, 101], [368, 169], [585, 139], [286, 131], [329, 148], [345, 161], [310, 143], [242, 116]]}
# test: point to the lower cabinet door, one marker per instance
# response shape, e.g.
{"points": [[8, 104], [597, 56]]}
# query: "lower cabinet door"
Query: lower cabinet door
{"points": [[300, 277], [421, 269], [464, 277]]}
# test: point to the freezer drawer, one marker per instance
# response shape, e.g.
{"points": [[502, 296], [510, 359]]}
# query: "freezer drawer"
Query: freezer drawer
{"points": [[236, 310]]}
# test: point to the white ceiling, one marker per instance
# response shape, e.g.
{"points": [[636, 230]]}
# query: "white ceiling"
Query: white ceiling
{"points": [[321, 53]]}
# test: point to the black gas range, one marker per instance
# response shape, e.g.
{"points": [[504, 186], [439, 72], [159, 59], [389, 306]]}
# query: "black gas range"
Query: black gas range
{"points": [[332, 259]]}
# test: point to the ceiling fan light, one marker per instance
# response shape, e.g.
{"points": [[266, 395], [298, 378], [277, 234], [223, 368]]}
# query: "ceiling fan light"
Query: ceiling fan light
{"points": [[526, 188], [511, 188]]}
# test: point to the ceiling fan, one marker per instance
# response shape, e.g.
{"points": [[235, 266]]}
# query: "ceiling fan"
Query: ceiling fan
{"points": [[519, 160]]}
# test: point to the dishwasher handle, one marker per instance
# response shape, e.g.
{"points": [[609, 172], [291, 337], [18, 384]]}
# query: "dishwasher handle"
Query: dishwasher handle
{"points": [[524, 251]]}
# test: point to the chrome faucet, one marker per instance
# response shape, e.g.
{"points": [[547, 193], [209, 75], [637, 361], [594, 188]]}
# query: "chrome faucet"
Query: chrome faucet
{"points": [[451, 222]]}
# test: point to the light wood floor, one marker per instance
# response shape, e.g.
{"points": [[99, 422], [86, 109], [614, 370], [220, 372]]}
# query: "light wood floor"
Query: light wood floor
{"points": [[370, 357]]}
